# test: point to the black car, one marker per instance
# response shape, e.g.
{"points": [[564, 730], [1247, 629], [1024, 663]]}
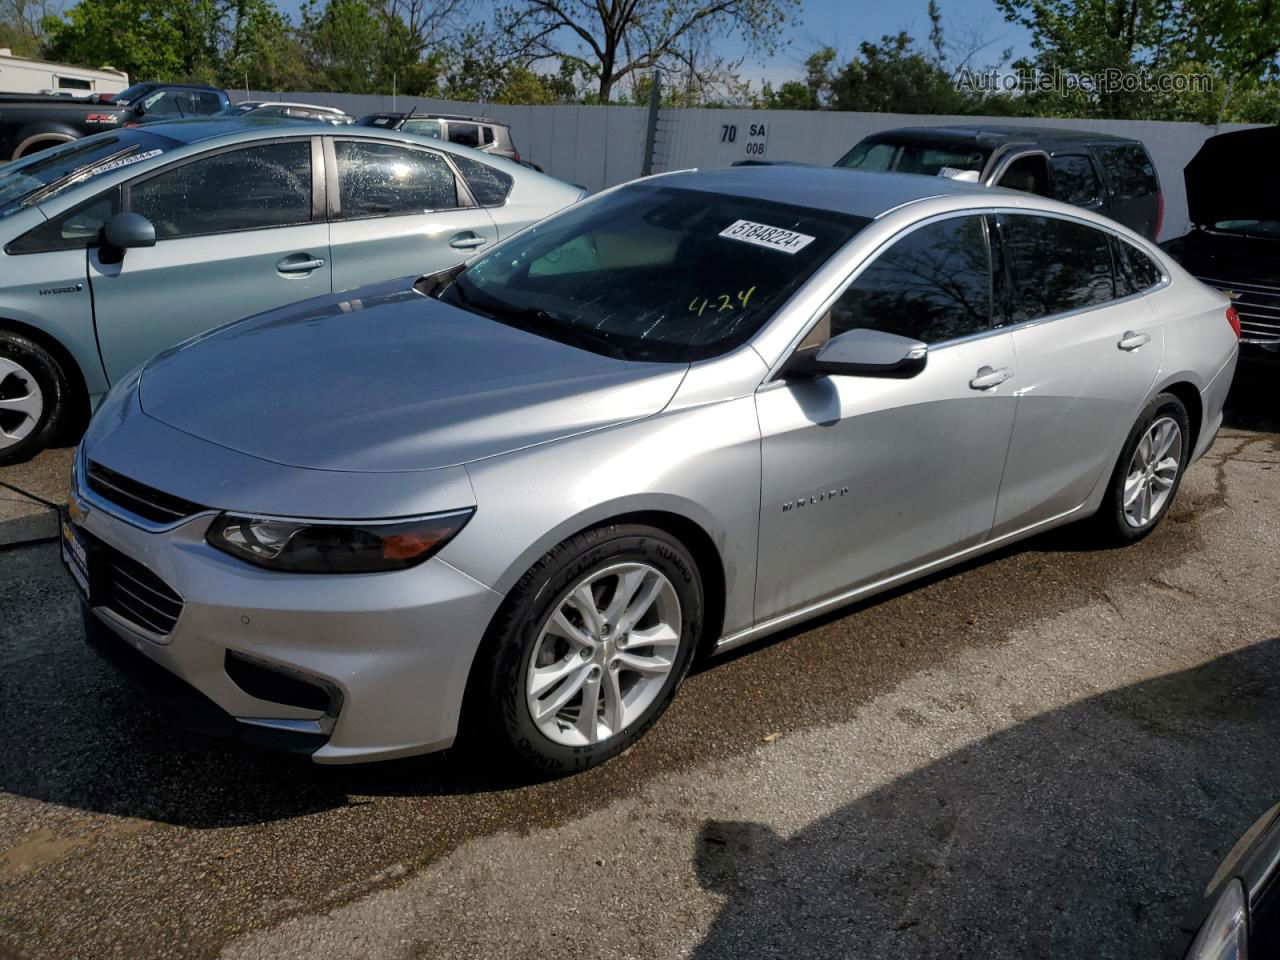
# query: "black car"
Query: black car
{"points": [[1239, 916], [1112, 175], [1234, 243]]}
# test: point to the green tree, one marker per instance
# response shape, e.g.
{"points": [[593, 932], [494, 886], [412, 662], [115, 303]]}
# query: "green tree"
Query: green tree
{"points": [[623, 39]]}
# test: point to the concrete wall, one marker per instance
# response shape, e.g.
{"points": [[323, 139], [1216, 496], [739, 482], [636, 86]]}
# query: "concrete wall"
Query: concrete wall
{"points": [[602, 146]]}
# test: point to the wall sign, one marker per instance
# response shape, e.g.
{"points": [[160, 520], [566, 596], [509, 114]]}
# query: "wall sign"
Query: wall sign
{"points": [[754, 138]]}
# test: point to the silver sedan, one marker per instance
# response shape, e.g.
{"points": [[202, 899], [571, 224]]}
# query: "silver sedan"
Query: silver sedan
{"points": [[516, 498]]}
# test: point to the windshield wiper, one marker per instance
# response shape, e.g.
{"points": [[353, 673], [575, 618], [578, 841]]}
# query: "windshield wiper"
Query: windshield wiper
{"points": [[54, 186], [533, 320]]}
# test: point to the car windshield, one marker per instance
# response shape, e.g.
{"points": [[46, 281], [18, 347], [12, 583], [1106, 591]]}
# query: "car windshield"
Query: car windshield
{"points": [[1253, 228], [910, 156], [653, 272], [43, 175], [129, 93]]}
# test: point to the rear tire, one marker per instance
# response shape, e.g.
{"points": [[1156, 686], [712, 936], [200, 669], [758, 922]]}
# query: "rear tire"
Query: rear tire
{"points": [[588, 650], [34, 398], [1148, 473]]}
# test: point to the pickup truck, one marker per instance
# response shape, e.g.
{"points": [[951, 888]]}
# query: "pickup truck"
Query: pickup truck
{"points": [[31, 123]]}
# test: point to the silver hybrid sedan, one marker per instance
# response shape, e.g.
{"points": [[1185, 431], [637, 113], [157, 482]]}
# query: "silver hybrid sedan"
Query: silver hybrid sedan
{"points": [[127, 242], [515, 498]]}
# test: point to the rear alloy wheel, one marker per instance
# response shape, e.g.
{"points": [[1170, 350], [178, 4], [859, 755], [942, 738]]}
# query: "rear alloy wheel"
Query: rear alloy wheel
{"points": [[1153, 470], [589, 648], [33, 397], [1148, 472]]}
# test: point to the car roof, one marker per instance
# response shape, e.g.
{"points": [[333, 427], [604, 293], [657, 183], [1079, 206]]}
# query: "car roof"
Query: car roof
{"points": [[994, 135], [432, 115], [860, 193]]}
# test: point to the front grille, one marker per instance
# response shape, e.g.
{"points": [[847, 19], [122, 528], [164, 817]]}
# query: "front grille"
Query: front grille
{"points": [[1258, 307], [134, 593], [138, 498]]}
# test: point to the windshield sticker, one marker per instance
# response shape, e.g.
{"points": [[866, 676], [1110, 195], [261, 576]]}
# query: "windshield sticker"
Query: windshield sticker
{"points": [[955, 173], [763, 235], [123, 162]]}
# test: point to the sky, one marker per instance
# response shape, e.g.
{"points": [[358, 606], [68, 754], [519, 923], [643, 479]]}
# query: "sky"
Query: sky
{"points": [[844, 24]]}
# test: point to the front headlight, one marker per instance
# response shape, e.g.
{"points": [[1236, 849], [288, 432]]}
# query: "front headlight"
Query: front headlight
{"points": [[1225, 933], [328, 546]]}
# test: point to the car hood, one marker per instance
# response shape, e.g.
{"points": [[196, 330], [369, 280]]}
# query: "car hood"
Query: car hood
{"points": [[1232, 177], [385, 379]]}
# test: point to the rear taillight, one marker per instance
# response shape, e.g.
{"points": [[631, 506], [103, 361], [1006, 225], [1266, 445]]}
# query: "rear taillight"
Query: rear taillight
{"points": [[1233, 318], [517, 153], [1159, 213]]}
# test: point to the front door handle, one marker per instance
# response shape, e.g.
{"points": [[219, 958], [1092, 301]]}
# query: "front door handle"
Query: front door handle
{"points": [[1132, 341], [292, 265], [988, 378], [467, 241]]}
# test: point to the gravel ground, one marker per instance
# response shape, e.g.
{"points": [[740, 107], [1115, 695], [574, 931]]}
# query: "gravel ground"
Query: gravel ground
{"points": [[1042, 754]]}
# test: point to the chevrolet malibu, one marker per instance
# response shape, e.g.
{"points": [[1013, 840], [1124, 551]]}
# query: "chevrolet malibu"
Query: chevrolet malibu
{"points": [[124, 243], [516, 498]]}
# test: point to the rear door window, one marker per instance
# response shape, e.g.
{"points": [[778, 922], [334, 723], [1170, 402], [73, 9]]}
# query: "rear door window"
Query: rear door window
{"points": [[423, 128], [1129, 171], [1136, 271], [934, 284], [266, 185], [1074, 179], [464, 134], [384, 179], [1056, 266], [488, 185]]}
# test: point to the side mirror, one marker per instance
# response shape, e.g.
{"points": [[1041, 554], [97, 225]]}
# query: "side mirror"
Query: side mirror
{"points": [[871, 353], [126, 230]]}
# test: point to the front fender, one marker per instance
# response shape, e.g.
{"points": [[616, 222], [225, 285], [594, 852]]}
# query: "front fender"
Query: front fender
{"points": [[700, 464]]}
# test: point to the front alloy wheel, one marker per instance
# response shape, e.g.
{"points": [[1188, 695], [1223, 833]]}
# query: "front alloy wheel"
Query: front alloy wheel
{"points": [[21, 403], [604, 654], [588, 649]]}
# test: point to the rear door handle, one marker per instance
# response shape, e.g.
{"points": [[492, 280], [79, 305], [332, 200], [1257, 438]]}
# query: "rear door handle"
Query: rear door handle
{"points": [[1132, 341], [291, 265], [467, 241], [988, 378]]}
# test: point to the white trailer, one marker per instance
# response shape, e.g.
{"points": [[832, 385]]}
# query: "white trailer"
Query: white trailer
{"points": [[23, 75]]}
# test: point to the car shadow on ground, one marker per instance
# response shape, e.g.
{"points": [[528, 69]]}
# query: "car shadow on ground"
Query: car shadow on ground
{"points": [[1085, 832]]}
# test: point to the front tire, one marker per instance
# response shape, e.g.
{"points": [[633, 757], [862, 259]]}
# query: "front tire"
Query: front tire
{"points": [[589, 648], [34, 398], [1147, 475]]}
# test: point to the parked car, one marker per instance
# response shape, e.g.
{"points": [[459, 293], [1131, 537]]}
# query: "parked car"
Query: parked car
{"points": [[1234, 242], [1110, 175], [1239, 917], [479, 133], [29, 124], [122, 244], [689, 411], [284, 110]]}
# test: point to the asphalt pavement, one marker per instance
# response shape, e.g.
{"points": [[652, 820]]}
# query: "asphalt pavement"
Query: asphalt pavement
{"points": [[1042, 754]]}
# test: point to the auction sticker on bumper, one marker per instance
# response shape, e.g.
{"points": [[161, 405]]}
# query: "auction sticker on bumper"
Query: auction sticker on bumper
{"points": [[763, 235], [75, 556]]}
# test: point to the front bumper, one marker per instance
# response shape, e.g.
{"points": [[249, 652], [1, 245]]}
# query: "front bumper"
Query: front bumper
{"points": [[392, 650]]}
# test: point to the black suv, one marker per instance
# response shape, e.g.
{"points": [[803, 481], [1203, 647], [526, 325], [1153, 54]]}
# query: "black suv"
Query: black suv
{"points": [[1111, 175], [1234, 243]]}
